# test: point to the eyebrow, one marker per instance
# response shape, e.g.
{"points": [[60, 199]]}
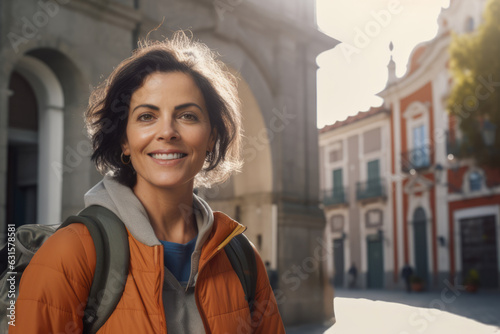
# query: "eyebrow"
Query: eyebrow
{"points": [[186, 105], [179, 107], [149, 106]]}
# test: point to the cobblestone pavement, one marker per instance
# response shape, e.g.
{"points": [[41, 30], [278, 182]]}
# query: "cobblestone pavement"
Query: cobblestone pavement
{"points": [[394, 312]]}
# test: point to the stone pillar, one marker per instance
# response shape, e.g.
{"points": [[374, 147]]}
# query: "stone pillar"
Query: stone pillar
{"points": [[300, 221], [50, 145]]}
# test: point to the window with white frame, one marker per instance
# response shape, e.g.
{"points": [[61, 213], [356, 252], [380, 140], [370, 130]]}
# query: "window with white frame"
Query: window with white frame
{"points": [[337, 223], [418, 154], [374, 218], [475, 181]]}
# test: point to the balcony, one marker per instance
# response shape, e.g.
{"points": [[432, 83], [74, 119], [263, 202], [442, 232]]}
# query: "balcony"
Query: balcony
{"points": [[335, 196], [371, 190], [417, 159]]}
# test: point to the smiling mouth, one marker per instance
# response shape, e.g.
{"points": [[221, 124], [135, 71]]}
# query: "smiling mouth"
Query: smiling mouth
{"points": [[168, 156]]}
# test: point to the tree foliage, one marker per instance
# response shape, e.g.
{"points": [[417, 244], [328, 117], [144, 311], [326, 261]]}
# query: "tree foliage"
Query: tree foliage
{"points": [[475, 95]]}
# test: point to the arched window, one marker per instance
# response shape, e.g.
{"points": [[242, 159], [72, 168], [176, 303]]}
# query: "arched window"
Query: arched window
{"points": [[475, 181]]}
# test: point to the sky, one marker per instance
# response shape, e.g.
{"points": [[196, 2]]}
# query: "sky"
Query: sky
{"points": [[350, 75]]}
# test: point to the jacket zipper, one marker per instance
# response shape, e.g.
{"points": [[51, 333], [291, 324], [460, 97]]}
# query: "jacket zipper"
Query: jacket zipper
{"points": [[200, 310], [238, 230]]}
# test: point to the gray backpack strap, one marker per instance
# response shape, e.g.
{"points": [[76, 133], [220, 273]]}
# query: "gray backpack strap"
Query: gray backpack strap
{"points": [[242, 257], [112, 262]]}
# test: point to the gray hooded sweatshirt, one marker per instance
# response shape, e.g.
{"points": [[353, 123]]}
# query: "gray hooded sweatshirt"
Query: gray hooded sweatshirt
{"points": [[181, 313]]}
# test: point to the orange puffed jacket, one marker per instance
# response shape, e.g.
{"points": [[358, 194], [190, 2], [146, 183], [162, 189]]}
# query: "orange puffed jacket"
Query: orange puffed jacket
{"points": [[52, 296]]}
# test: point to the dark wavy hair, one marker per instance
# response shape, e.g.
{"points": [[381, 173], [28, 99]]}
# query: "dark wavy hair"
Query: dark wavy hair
{"points": [[107, 114]]}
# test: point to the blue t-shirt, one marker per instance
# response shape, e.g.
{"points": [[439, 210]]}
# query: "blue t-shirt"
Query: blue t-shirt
{"points": [[178, 258]]}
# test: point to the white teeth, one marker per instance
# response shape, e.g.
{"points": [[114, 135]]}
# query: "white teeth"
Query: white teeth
{"points": [[169, 156]]}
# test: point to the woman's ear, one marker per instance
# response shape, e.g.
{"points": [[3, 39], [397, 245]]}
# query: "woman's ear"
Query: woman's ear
{"points": [[125, 146]]}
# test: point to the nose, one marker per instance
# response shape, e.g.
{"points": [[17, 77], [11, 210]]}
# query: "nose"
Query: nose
{"points": [[167, 130]]}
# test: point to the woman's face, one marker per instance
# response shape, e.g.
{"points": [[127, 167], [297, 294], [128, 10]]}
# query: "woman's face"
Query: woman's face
{"points": [[168, 131]]}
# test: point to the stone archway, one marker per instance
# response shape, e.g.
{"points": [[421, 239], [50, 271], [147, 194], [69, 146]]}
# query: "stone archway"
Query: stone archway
{"points": [[282, 79], [48, 144], [253, 187], [247, 196], [58, 86], [75, 167]]}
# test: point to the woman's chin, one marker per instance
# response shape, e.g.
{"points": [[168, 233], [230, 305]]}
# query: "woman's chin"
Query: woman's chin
{"points": [[171, 183]]}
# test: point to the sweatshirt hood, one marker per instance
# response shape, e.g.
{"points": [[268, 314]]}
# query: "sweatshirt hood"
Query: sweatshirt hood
{"points": [[122, 201]]}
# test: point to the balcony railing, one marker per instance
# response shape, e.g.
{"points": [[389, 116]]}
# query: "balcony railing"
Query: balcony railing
{"points": [[334, 196], [371, 189], [416, 159]]}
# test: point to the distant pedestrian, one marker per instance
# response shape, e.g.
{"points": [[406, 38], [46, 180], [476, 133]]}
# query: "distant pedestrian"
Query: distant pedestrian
{"points": [[353, 276], [406, 273]]}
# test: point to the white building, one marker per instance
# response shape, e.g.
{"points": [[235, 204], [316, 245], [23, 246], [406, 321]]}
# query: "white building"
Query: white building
{"points": [[355, 178]]}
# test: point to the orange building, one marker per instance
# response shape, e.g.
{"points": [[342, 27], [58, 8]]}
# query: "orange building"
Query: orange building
{"points": [[442, 210]]}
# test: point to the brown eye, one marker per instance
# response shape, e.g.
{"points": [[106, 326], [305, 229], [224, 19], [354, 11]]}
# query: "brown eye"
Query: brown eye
{"points": [[145, 117], [189, 117]]}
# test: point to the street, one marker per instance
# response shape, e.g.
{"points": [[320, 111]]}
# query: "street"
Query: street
{"points": [[397, 312]]}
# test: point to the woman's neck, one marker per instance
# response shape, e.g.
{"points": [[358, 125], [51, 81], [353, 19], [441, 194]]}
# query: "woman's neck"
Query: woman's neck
{"points": [[170, 211]]}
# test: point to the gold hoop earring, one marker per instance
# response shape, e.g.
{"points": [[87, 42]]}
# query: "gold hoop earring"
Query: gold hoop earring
{"points": [[123, 160]]}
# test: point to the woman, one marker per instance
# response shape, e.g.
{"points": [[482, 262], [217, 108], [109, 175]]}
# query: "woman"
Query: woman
{"points": [[166, 120]]}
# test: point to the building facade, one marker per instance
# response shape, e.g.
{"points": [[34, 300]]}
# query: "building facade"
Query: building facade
{"points": [[446, 208], [442, 210], [52, 52], [355, 175]]}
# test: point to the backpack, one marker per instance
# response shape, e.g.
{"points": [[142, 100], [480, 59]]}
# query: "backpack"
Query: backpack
{"points": [[111, 242], [106, 229], [240, 253]]}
